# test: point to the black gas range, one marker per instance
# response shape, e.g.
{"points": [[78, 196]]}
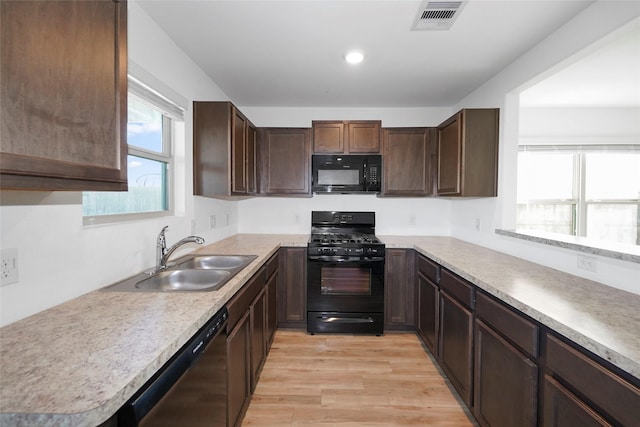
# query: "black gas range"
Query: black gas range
{"points": [[345, 274], [344, 235]]}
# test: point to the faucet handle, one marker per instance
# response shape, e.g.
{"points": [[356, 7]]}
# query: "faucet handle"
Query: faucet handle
{"points": [[162, 241]]}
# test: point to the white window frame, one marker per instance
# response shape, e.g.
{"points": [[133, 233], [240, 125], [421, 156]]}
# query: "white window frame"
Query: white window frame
{"points": [[578, 201], [170, 112]]}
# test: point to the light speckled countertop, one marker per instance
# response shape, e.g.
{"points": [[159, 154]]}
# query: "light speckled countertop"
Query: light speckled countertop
{"points": [[77, 363]]}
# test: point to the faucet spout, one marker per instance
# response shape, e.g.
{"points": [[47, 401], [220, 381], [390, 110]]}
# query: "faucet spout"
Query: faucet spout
{"points": [[163, 253]]}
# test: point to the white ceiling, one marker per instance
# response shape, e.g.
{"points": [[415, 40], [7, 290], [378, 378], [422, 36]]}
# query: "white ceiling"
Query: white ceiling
{"points": [[290, 53]]}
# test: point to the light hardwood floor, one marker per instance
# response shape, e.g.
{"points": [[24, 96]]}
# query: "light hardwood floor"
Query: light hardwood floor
{"points": [[352, 381]]}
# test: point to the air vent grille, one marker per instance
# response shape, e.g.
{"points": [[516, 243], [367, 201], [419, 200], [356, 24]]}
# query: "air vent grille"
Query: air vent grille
{"points": [[437, 15]]}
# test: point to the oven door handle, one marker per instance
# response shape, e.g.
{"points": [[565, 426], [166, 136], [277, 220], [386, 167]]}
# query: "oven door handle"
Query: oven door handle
{"points": [[338, 319]]}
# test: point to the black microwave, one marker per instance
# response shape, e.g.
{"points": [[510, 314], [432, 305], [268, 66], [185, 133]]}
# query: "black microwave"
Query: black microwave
{"points": [[348, 173]]}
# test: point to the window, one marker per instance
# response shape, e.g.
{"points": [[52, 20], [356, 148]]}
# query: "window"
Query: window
{"points": [[592, 191], [149, 137]]}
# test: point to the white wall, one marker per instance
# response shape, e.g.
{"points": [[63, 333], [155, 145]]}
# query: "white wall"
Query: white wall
{"points": [[60, 259], [402, 216], [589, 29]]}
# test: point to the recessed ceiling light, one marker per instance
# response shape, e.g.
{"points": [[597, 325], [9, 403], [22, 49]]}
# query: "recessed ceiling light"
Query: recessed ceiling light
{"points": [[354, 57]]}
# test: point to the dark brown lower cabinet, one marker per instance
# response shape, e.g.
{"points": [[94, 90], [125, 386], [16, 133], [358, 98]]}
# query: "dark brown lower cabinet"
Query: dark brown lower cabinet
{"points": [[238, 370], [258, 336], [248, 339], [456, 345], [614, 396], [563, 409], [427, 314], [508, 368], [399, 299], [272, 307], [292, 288], [505, 382]]}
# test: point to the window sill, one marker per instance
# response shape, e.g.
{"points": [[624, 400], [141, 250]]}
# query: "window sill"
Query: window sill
{"points": [[623, 252]]}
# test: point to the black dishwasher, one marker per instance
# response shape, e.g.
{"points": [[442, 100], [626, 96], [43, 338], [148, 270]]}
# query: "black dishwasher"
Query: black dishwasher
{"points": [[190, 389]]}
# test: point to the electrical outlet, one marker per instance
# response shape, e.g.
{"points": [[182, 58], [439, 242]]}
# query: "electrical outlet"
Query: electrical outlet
{"points": [[212, 221], [478, 224], [9, 266], [226, 219], [412, 219], [588, 263]]}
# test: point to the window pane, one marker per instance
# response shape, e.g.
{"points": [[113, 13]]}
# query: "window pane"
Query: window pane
{"points": [[614, 222], [555, 218], [147, 191], [144, 128], [545, 176], [612, 176]]}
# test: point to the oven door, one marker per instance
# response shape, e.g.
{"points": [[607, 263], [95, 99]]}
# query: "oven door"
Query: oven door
{"points": [[345, 296]]}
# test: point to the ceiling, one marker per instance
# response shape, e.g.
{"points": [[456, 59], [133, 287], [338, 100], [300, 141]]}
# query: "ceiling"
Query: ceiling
{"points": [[290, 53]]}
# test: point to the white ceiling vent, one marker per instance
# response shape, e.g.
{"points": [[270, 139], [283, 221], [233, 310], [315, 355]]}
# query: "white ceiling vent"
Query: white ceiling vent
{"points": [[437, 15]]}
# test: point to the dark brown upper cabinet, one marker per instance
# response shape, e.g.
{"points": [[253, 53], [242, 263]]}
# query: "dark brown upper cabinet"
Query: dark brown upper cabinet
{"points": [[224, 151], [63, 85], [284, 158], [407, 162], [344, 137], [467, 154]]}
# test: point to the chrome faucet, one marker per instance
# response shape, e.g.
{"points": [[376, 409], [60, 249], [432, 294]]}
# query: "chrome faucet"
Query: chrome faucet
{"points": [[163, 254]]}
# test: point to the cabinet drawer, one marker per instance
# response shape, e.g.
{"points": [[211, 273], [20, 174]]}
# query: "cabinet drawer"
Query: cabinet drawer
{"points": [[428, 268], [606, 390], [272, 265], [239, 303], [512, 325], [456, 287]]}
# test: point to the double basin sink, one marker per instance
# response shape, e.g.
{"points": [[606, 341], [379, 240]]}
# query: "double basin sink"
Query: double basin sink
{"points": [[191, 273]]}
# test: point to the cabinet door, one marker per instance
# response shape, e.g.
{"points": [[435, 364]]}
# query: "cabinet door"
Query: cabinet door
{"points": [[562, 408], [63, 85], [399, 304], [407, 169], [272, 308], [328, 137], [614, 395], [284, 161], [258, 336], [363, 137], [468, 154], [505, 384], [238, 153], [238, 370], [252, 155], [427, 322], [292, 288], [456, 344], [449, 157]]}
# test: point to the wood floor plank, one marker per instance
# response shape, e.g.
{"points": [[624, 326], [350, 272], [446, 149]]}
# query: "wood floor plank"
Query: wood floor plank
{"points": [[352, 381]]}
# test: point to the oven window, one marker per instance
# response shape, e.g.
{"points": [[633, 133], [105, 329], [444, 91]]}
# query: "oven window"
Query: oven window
{"points": [[345, 281], [338, 177]]}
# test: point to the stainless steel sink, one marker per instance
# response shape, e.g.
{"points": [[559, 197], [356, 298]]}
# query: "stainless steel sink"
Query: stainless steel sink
{"points": [[217, 261], [191, 273], [185, 280]]}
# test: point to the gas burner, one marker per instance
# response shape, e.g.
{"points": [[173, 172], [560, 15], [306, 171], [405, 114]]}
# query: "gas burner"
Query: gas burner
{"points": [[338, 235]]}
